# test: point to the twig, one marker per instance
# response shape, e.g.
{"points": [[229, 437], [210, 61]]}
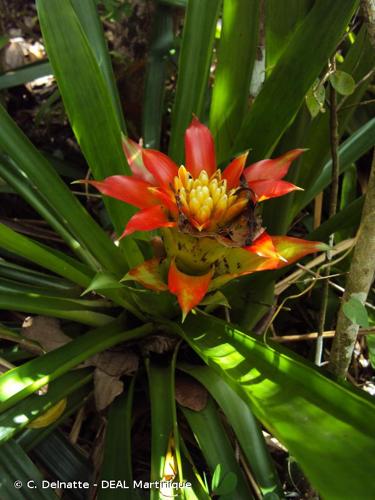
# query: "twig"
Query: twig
{"points": [[334, 139], [344, 246], [331, 283], [313, 335], [363, 103]]}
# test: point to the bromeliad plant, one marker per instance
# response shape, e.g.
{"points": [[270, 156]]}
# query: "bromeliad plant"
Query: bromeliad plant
{"points": [[211, 222], [211, 230]]}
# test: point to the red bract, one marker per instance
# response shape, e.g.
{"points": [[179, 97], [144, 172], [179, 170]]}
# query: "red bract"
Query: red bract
{"points": [[209, 213]]}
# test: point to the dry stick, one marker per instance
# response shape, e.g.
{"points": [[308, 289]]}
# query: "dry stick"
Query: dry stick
{"points": [[313, 335], [344, 246], [359, 281], [334, 139]]}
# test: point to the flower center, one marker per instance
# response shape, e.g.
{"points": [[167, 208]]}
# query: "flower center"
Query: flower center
{"points": [[206, 201]]}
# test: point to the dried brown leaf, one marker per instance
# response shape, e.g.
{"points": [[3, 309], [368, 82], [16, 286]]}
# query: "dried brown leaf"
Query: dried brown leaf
{"points": [[115, 363], [190, 393], [46, 331], [106, 388]]}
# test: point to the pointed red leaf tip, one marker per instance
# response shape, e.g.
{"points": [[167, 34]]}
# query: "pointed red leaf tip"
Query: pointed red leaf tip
{"points": [[133, 154], [199, 149], [274, 169], [190, 290], [163, 169], [149, 275], [292, 249], [264, 190], [233, 171], [289, 250], [147, 220], [131, 190], [263, 246]]}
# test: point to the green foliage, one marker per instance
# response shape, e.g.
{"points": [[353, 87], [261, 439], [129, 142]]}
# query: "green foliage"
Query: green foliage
{"points": [[356, 311], [342, 82], [248, 382]]}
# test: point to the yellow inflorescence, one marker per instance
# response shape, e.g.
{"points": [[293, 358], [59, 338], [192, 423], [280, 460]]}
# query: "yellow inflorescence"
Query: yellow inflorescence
{"points": [[206, 201]]}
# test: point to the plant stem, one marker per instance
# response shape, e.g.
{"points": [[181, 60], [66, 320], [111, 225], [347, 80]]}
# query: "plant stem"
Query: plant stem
{"points": [[359, 280], [368, 10], [334, 140]]}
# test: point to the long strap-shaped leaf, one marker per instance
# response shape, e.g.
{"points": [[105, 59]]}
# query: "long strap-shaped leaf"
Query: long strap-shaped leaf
{"points": [[30, 439], [19, 382], [302, 60], [236, 56], [87, 14], [350, 151], [25, 74], [216, 447], [87, 97], [153, 102], [44, 177], [16, 297], [193, 69], [244, 424], [18, 417], [327, 426], [117, 461], [282, 17], [16, 465], [33, 251]]}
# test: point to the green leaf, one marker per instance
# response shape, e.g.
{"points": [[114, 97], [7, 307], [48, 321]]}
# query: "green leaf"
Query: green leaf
{"points": [[215, 299], [193, 69], [295, 72], [227, 485], [247, 429], [87, 14], [103, 281], [236, 57], [293, 399], [161, 387], [64, 461], [118, 444], [82, 233], [282, 19], [87, 96], [30, 438], [15, 297], [16, 465], [153, 101], [25, 74], [315, 99], [349, 151], [216, 446], [356, 312], [342, 82], [22, 381], [216, 477], [346, 220], [15, 419], [26, 275], [33, 251]]}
